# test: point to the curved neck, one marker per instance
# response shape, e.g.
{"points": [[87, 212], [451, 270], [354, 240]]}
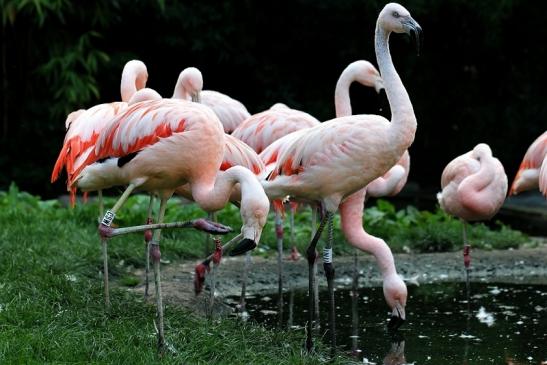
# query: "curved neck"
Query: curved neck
{"points": [[484, 176], [351, 222], [180, 91], [133, 79], [402, 113], [342, 102]]}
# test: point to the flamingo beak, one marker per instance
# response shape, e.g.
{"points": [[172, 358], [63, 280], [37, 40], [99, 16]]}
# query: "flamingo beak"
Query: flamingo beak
{"points": [[398, 317], [379, 85], [413, 28], [196, 98], [243, 246]]}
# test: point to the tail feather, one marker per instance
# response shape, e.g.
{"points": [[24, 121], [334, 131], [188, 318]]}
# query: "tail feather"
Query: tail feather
{"points": [[60, 163]]}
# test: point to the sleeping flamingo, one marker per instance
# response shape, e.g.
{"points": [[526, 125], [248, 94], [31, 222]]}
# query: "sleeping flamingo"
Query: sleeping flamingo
{"points": [[474, 186], [330, 162], [532, 172], [231, 112], [163, 144]]}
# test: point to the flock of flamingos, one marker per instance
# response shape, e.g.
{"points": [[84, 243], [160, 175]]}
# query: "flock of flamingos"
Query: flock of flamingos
{"points": [[205, 146]]}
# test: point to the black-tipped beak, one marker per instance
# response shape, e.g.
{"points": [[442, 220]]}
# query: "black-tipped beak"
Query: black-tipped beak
{"points": [[413, 28], [243, 246], [397, 318], [394, 323]]}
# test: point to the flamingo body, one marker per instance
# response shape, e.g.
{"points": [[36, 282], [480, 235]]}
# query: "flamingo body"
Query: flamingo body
{"points": [[230, 111], [474, 185], [262, 129]]}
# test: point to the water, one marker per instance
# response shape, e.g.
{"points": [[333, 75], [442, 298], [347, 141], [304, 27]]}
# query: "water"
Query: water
{"points": [[508, 324]]}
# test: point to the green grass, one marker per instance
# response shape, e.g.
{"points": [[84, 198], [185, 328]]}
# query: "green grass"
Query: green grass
{"points": [[51, 297]]}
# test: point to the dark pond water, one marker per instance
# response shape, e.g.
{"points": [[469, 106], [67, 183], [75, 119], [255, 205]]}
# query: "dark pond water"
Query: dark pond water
{"points": [[508, 323]]}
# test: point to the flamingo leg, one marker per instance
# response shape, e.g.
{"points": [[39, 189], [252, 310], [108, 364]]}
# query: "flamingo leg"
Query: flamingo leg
{"points": [[467, 264], [155, 254], [328, 267], [106, 221], [311, 256], [315, 275], [279, 236], [208, 239], [354, 313], [147, 239], [246, 265]]}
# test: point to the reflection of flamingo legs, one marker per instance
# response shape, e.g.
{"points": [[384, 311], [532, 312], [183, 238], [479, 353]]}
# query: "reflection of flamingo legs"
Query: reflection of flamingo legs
{"points": [[279, 236], [467, 264], [242, 302]]}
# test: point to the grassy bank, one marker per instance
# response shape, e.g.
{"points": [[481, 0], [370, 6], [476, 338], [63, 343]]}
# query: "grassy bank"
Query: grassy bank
{"points": [[51, 298]]}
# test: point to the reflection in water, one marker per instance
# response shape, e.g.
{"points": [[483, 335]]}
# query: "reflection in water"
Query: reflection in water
{"points": [[396, 354], [439, 329]]}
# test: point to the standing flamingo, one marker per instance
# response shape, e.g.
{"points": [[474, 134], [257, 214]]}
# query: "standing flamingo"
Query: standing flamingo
{"points": [[359, 71], [532, 172], [474, 186], [231, 112], [163, 144], [330, 162]]}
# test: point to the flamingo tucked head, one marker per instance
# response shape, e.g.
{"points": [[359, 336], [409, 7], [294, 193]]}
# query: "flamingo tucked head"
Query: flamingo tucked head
{"points": [[189, 85], [395, 18], [395, 293]]}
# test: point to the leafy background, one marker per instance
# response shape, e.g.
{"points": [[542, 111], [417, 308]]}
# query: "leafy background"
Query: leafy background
{"points": [[479, 78]]}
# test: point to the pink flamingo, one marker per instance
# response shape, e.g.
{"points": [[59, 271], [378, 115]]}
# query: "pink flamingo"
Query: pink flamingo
{"points": [[532, 172], [359, 71], [330, 162], [231, 112], [474, 186], [83, 126], [163, 144]]}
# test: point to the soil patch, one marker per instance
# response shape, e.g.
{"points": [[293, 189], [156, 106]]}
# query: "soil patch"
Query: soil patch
{"points": [[524, 266]]}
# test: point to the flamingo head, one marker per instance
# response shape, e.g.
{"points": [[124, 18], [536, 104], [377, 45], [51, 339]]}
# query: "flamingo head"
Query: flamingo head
{"points": [[189, 85], [395, 294], [482, 150], [395, 18], [366, 74]]}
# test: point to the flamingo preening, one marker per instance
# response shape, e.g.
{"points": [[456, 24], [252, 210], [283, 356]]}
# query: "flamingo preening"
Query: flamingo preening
{"points": [[330, 162], [163, 144], [532, 172], [474, 186]]}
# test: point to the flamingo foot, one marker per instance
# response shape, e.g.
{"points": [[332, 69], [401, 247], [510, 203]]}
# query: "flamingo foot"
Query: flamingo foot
{"points": [[201, 270], [243, 246], [210, 227]]}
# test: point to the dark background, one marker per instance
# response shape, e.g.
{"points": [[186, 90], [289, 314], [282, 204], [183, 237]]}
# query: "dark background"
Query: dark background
{"points": [[480, 76]]}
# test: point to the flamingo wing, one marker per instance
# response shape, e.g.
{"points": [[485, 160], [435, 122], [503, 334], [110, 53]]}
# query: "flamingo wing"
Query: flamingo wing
{"points": [[84, 127], [144, 124], [237, 153], [230, 111], [543, 177]]}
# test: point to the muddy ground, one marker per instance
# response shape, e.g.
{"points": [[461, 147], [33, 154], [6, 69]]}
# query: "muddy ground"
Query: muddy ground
{"points": [[525, 265]]}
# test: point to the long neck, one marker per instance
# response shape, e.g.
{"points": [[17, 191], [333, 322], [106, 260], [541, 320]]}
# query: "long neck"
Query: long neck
{"points": [[133, 79], [342, 102], [351, 221], [180, 91], [402, 113]]}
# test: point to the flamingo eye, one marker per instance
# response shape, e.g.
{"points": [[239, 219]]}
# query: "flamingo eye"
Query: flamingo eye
{"points": [[395, 14]]}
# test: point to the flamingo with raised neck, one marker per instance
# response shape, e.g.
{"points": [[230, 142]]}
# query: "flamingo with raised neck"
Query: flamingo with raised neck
{"points": [[331, 161]]}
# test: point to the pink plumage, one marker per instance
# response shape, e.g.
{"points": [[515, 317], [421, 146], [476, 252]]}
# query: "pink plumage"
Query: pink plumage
{"points": [[528, 176], [474, 185], [262, 129]]}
